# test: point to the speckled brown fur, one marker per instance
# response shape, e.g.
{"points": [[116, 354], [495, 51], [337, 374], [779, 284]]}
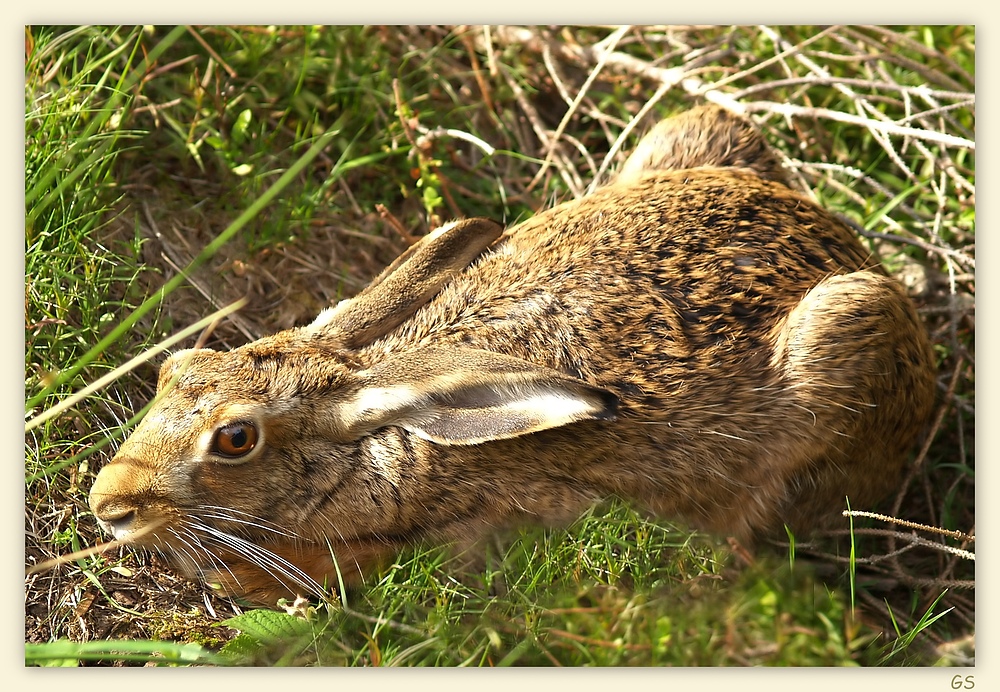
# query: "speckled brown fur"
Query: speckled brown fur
{"points": [[709, 344]]}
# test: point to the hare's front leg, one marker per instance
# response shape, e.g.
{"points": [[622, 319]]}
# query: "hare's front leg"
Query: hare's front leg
{"points": [[854, 356]]}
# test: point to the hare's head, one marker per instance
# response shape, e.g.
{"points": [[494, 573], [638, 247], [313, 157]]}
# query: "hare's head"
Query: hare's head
{"points": [[263, 454]]}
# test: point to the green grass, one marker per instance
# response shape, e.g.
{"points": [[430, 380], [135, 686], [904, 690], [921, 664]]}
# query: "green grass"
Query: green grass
{"points": [[612, 590], [170, 171]]}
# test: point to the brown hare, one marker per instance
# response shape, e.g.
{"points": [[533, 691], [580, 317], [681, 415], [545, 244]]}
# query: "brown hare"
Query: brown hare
{"points": [[694, 336]]}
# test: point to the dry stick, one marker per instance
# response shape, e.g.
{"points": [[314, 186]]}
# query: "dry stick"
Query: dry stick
{"points": [[786, 51], [668, 79], [556, 77], [477, 72], [912, 540], [611, 41], [791, 110], [936, 108], [953, 562], [811, 80], [881, 137], [175, 262], [916, 46], [939, 192], [591, 55], [166, 68], [204, 44], [896, 37], [491, 60], [428, 135], [886, 143], [945, 112], [397, 226], [548, 654], [540, 131], [911, 525], [695, 86], [860, 102], [346, 189], [578, 145], [933, 159], [936, 583], [922, 455], [661, 91], [90, 552], [923, 244], [560, 81], [945, 162], [154, 108], [564, 93], [899, 576]]}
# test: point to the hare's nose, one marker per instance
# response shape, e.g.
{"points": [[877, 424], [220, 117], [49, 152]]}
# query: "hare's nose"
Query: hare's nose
{"points": [[112, 499], [118, 523]]}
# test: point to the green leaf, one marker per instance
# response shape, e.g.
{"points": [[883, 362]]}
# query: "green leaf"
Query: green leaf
{"points": [[239, 131], [240, 648], [270, 626]]}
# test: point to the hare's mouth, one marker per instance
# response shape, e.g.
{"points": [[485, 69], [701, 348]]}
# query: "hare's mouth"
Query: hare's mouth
{"points": [[245, 555]]}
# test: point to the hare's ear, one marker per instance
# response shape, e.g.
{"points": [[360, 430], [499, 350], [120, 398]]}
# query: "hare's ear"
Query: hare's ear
{"points": [[408, 283], [467, 396]]}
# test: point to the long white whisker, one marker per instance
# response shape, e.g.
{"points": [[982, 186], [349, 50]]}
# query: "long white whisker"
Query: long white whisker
{"points": [[264, 558], [247, 522], [229, 514], [194, 544]]}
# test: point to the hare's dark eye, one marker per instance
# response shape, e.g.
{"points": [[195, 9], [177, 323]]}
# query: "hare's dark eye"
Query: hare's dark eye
{"points": [[235, 439]]}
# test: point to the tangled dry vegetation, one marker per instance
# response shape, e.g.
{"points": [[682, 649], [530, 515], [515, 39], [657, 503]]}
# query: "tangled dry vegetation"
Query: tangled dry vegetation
{"points": [[873, 122]]}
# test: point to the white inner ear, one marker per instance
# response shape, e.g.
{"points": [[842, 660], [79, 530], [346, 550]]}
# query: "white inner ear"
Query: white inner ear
{"points": [[489, 412], [550, 405], [528, 412], [376, 400]]}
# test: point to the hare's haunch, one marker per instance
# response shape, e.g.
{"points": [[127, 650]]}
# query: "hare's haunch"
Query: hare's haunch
{"points": [[695, 336]]}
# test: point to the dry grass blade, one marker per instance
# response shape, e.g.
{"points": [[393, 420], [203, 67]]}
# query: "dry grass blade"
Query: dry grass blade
{"points": [[206, 325], [911, 524], [99, 549]]}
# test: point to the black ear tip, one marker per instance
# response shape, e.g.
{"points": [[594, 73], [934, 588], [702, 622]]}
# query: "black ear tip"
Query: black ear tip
{"points": [[610, 405]]}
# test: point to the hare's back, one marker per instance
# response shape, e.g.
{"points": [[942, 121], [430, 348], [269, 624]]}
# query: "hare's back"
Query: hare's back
{"points": [[677, 269], [717, 249], [694, 226]]}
